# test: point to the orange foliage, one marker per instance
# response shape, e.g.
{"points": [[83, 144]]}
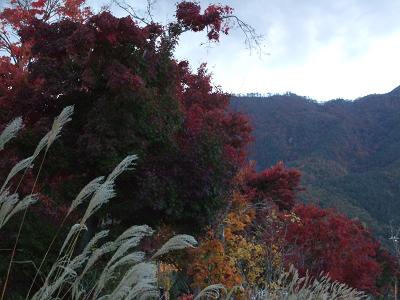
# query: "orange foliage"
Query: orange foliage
{"points": [[236, 258], [211, 265]]}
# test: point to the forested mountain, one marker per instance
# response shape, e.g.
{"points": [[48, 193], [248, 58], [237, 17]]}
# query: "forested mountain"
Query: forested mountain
{"points": [[348, 151]]}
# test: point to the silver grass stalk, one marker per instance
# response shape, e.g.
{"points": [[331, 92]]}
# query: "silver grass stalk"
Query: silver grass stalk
{"points": [[143, 290], [149, 295], [212, 291], [5, 196], [97, 254], [10, 131], [74, 229], [129, 239], [47, 293], [136, 231], [132, 258], [103, 194], [63, 118], [177, 242], [10, 206], [7, 204], [26, 202], [21, 165], [121, 251], [108, 272], [142, 272], [294, 287], [94, 240], [26, 162], [139, 281], [46, 141], [124, 165], [85, 193]]}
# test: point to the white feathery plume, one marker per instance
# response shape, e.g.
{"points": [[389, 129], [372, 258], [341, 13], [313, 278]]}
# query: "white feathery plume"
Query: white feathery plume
{"points": [[177, 242], [106, 190], [212, 291], [148, 294], [126, 164], [128, 239], [122, 250], [97, 254], [143, 290], [23, 204], [102, 195], [89, 189], [136, 231], [139, 272], [7, 204], [108, 271], [26, 162], [77, 262], [295, 287], [10, 131], [98, 236], [63, 118], [74, 229], [21, 165], [47, 292], [132, 258], [41, 145], [46, 141], [5, 196]]}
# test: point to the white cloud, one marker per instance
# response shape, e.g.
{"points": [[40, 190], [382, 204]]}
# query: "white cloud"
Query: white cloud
{"points": [[319, 48]]}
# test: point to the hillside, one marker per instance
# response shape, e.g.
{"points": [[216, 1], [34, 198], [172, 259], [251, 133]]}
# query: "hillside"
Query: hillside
{"points": [[348, 151]]}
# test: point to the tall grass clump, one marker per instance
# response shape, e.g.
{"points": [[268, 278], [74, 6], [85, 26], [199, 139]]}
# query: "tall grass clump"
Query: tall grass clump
{"points": [[105, 268], [294, 287]]}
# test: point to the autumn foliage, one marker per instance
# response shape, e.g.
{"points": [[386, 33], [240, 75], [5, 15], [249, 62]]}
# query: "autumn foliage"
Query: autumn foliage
{"points": [[132, 96], [266, 231], [327, 241], [122, 75]]}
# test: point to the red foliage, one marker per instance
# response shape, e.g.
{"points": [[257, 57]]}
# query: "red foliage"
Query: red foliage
{"points": [[120, 77], [311, 238], [74, 9], [15, 18], [278, 185], [324, 240], [206, 112], [214, 18]]}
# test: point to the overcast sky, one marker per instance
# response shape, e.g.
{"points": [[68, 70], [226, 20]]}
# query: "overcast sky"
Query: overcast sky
{"points": [[323, 49]]}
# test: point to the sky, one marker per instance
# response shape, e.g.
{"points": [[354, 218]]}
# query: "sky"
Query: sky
{"points": [[323, 49]]}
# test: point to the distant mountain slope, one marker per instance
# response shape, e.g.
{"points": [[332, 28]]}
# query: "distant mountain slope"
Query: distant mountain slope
{"points": [[349, 151]]}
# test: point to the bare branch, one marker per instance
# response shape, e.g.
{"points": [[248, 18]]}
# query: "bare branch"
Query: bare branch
{"points": [[253, 40], [123, 4]]}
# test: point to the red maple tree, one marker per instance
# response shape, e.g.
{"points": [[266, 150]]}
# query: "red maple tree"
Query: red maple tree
{"points": [[324, 240]]}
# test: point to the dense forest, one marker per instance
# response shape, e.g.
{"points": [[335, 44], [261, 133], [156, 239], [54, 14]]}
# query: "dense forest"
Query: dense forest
{"points": [[125, 175], [347, 151]]}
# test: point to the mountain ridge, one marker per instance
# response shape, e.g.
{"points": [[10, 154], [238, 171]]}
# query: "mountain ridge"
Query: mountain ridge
{"points": [[348, 150]]}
